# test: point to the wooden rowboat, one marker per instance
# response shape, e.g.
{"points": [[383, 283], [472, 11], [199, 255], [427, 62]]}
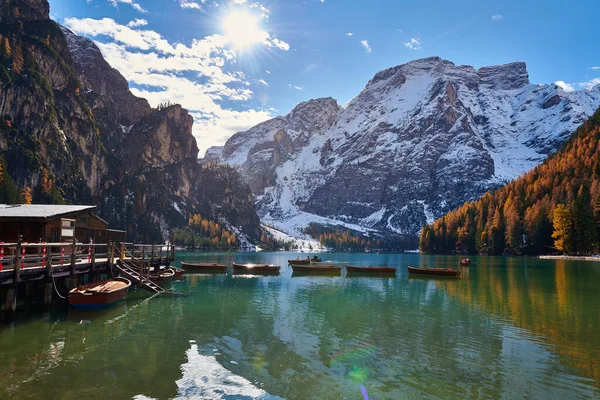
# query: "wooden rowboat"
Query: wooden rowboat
{"points": [[305, 261], [317, 269], [465, 262], [99, 294], [434, 271], [178, 271], [163, 276], [256, 268], [371, 270], [203, 267]]}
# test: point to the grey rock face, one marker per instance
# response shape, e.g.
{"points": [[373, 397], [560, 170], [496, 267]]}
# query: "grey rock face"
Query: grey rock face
{"points": [[419, 140]]}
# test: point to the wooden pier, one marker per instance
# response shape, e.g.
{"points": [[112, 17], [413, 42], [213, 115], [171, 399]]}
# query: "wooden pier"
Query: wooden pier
{"points": [[34, 266]]}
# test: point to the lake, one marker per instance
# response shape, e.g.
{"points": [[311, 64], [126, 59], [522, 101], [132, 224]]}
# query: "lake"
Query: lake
{"points": [[508, 328]]}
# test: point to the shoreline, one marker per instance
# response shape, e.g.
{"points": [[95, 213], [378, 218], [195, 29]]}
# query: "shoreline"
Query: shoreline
{"points": [[578, 258]]}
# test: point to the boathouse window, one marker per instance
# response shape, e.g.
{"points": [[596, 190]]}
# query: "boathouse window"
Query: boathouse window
{"points": [[68, 227]]}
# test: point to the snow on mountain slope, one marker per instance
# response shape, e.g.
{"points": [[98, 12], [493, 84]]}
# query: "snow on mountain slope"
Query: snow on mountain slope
{"points": [[420, 139]]}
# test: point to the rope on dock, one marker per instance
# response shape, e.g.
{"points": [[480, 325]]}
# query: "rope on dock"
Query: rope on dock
{"points": [[54, 285]]}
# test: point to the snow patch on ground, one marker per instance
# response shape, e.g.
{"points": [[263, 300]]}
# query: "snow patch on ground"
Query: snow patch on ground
{"points": [[305, 244]]}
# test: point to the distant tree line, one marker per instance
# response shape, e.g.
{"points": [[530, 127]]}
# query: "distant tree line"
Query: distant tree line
{"points": [[553, 208], [204, 234]]}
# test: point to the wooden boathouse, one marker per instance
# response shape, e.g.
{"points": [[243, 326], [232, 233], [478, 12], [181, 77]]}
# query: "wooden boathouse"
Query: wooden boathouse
{"points": [[48, 249]]}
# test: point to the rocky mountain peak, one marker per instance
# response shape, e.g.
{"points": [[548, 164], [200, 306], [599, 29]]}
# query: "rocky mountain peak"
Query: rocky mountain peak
{"points": [[505, 77], [98, 77], [420, 139]]}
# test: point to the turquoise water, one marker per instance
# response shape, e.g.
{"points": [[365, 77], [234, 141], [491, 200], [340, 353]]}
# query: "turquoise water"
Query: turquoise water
{"points": [[509, 328]]}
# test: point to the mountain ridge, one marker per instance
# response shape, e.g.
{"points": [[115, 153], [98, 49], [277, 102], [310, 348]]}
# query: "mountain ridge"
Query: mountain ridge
{"points": [[418, 140]]}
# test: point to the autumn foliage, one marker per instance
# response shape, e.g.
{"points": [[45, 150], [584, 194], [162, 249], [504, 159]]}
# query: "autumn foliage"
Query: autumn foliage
{"points": [[554, 207]]}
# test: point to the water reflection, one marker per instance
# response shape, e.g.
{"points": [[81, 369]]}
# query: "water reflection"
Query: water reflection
{"points": [[510, 328]]}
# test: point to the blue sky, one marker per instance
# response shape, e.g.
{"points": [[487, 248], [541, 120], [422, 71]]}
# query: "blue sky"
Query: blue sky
{"points": [[232, 76]]}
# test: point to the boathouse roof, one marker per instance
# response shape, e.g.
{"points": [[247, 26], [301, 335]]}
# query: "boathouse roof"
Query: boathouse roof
{"points": [[40, 211]]}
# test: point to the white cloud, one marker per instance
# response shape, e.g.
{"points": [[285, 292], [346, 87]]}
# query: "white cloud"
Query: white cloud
{"points": [[413, 44], [201, 75], [589, 84], [295, 87], [349, 34], [497, 17], [567, 87], [136, 6], [190, 4], [137, 22], [365, 44], [595, 68], [268, 72]]}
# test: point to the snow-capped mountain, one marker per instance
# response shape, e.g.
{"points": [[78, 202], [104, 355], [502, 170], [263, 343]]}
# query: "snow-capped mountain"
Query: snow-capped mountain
{"points": [[420, 139]]}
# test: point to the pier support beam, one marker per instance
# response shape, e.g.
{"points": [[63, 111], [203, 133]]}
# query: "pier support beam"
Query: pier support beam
{"points": [[48, 293], [11, 300]]}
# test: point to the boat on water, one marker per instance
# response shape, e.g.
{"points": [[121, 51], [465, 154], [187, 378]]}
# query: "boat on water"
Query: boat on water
{"points": [[99, 294], [178, 271], [434, 271], [203, 267], [465, 262], [256, 268], [317, 269], [163, 276], [305, 261], [372, 269]]}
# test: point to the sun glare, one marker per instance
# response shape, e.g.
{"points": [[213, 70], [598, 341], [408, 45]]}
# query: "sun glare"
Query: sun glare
{"points": [[242, 29]]}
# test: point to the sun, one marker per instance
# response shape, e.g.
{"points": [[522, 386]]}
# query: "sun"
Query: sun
{"points": [[242, 29]]}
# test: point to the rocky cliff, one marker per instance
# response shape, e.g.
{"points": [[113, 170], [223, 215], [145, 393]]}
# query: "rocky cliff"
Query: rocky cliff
{"points": [[420, 139], [72, 131]]}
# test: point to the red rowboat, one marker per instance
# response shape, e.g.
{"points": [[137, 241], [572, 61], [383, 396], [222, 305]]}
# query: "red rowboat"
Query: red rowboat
{"points": [[99, 294], [317, 269], [203, 267], [371, 270], [256, 268], [434, 271]]}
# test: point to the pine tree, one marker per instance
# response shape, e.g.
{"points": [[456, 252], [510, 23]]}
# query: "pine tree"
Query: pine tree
{"points": [[597, 219], [7, 50], [584, 227], [27, 199], [18, 62], [563, 229]]}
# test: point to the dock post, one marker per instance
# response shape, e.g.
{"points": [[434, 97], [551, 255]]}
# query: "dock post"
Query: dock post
{"points": [[48, 291], [152, 256], [11, 300], [123, 250], [143, 263], [93, 257], [73, 256], [110, 253], [49, 285], [17, 266]]}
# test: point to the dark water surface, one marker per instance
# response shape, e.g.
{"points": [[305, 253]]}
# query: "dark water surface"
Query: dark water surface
{"points": [[509, 328]]}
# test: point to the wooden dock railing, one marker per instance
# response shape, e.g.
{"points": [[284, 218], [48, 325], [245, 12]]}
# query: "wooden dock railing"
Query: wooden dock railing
{"points": [[21, 256]]}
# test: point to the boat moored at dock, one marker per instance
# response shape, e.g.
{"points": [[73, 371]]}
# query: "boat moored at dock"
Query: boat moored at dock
{"points": [[100, 293]]}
